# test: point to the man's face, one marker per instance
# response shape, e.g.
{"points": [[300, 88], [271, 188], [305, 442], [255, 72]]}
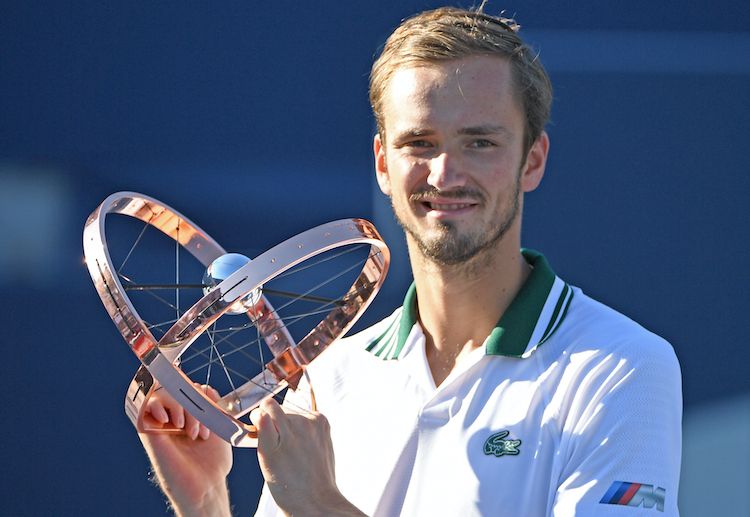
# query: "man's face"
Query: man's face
{"points": [[453, 161]]}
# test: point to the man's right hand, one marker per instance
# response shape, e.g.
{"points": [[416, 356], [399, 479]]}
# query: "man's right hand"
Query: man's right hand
{"points": [[190, 467]]}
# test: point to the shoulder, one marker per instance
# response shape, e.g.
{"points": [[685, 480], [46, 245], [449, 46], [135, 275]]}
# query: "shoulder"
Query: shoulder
{"points": [[610, 361], [595, 330]]}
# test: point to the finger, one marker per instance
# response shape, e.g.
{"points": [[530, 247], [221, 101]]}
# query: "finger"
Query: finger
{"points": [[211, 392], [255, 416], [270, 406], [156, 409], [177, 415], [174, 410], [269, 439], [277, 414], [192, 426], [269, 417], [164, 409]]}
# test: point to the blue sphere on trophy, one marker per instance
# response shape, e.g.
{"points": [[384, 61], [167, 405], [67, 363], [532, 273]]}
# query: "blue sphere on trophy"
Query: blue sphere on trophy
{"points": [[219, 270]]}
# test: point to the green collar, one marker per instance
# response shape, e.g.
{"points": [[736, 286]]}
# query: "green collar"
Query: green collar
{"points": [[532, 317]]}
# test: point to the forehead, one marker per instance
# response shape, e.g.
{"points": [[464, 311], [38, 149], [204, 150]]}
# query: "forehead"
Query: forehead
{"points": [[472, 87]]}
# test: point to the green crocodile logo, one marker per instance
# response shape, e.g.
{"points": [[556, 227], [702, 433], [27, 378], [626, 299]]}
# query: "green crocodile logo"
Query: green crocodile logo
{"points": [[499, 446]]}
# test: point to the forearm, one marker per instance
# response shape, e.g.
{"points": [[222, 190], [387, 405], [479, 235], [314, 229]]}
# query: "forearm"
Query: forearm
{"points": [[328, 505], [211, 501], [215, 503], [190, 473], [341, 508], [190, 467]]}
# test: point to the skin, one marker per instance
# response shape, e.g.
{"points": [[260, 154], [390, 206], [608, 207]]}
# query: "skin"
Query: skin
{"points": [[301, 477], [191, 467], [454, 167]]}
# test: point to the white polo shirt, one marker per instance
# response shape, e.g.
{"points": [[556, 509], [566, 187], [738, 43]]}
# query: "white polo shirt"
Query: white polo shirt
{"points": [[569, 408]]}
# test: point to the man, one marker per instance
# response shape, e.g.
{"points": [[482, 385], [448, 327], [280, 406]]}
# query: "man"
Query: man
{"points": [[497, 389]]}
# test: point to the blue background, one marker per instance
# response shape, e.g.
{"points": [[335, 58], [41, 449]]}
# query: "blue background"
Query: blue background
{"points": [[253, 120]]}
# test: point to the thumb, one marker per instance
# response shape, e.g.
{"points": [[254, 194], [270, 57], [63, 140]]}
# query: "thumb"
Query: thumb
{"points": [[269, 437]]}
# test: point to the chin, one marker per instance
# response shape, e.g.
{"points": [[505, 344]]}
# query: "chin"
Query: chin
{"points": [[450, 249]]}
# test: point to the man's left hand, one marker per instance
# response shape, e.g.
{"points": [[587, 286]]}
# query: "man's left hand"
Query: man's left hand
{"points": [[296, 458]]}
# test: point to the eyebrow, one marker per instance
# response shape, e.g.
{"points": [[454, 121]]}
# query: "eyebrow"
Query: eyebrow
{"points": [[483, 130], [487, 129], [414, 132]]}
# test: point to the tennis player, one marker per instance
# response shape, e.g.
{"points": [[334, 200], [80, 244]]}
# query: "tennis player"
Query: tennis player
{"points": [[497, 388]]}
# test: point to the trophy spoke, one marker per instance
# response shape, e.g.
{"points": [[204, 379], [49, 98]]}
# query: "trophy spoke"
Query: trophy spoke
{"points": [[249, 337], [318, 261], [146, 225], [159, 327], [133, 286], [325, 282]]}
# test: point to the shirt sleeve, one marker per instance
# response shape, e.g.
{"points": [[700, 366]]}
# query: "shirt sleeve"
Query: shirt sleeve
{"points": [[621, 444]]}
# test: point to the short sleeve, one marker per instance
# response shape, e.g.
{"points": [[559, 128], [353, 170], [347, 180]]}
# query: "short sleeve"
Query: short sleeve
{"points": [[621, 441]]}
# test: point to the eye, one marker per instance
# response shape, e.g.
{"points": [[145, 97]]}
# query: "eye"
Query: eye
{"points": [[481, 143], [418, 144]]}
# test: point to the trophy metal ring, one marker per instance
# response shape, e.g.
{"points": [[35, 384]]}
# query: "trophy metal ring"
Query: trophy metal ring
{"points": [[333, 271]]}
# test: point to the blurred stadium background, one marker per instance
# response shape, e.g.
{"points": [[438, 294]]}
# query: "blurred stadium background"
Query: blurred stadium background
{"points": [[253, 120]]}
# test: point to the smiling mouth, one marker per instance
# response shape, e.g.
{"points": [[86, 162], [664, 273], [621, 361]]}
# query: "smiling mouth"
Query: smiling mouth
{"points": [[446, 207]]}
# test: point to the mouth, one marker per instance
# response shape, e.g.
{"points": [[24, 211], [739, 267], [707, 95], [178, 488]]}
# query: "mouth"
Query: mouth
{"points": [[447, 207], [444, 209]]}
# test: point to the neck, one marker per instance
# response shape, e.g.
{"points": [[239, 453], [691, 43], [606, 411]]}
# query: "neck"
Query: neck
{"points": [[459, 305]]}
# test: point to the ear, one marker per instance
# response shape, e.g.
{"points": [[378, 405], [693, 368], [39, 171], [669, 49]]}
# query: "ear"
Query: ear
{"points": [[381, 167], [536, 160]]}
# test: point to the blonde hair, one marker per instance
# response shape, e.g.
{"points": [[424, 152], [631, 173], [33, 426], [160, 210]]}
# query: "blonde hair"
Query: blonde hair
{"points": [[450, 33]]}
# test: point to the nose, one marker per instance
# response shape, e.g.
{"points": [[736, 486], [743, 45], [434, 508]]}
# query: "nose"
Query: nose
{"points": [[445, 172]]}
